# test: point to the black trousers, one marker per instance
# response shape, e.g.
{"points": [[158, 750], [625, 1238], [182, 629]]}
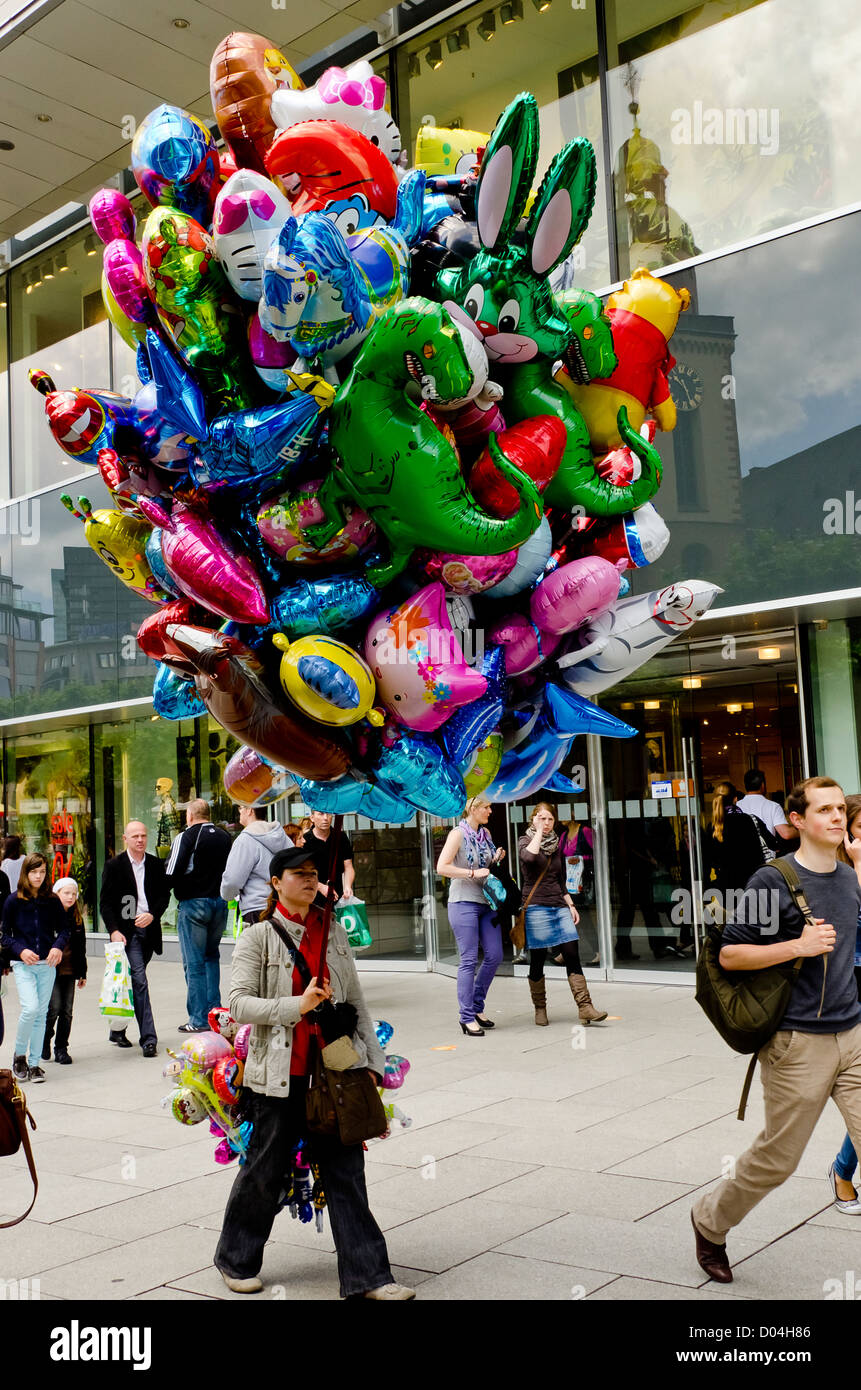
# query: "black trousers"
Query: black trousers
{"points": [[60, 1012], [363, 1260]]}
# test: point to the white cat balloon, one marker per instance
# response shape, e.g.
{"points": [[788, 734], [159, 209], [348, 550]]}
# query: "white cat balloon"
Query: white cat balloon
{"points": [[249, 213], [355, 96]]}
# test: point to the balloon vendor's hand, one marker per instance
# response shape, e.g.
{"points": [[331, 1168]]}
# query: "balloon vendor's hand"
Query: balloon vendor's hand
{"points": [[313, 996]]}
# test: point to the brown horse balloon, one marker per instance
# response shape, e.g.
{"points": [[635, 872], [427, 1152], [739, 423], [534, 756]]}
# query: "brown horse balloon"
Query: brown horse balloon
{"points": [[232, 690], [245, 70]]}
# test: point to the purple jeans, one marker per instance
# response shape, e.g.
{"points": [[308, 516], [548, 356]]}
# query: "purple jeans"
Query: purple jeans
{"points": [[472, 925]]}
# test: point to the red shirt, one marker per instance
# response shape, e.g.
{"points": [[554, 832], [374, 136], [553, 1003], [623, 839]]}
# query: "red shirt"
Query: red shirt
{"points": [[312, 939]]}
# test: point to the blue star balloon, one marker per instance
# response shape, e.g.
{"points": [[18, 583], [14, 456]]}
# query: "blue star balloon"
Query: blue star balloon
{"points": [[252, 451], [417, 770], [178, 397]]}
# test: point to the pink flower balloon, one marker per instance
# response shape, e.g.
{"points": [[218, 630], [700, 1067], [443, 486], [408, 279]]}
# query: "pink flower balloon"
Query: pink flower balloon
{"points": [[418, 662]]}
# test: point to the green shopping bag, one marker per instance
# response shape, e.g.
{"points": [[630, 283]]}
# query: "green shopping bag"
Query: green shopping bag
{"points": [[234, 919], [353, 917]]}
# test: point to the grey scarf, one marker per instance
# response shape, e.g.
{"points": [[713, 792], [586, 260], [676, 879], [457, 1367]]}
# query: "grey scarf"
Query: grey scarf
{"points": [[549, 843]]}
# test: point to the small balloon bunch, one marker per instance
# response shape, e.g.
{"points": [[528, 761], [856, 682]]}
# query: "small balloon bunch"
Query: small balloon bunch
{"points": [[393, 1078], [207, 1073]]}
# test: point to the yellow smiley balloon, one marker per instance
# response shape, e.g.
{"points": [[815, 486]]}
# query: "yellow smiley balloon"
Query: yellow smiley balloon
{"points": [[327, 680], [120, 541]]}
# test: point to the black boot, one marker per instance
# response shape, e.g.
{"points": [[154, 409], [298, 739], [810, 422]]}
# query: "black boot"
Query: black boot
{"points": [[61, 1055]]}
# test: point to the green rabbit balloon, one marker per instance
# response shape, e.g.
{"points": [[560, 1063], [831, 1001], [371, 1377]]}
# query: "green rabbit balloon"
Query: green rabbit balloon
{"points": [[503, 296]]}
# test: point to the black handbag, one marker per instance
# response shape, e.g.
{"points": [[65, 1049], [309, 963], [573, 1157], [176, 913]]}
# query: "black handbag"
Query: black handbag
{"points": [[14, 1116]]}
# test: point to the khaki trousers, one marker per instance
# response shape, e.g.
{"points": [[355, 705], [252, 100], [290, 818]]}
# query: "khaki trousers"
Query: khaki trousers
{"points": [[799, 1072]]}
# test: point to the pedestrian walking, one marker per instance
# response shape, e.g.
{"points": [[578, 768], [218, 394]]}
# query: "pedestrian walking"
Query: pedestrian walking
{"points": [[246, 873], [198, 858], [275, 989], [842, 1170], [35, 934], [133, 897], [318, 840], [731, 845], [467, 858], [12, 860], [71, 972], [551, 917], [816, 1052]]}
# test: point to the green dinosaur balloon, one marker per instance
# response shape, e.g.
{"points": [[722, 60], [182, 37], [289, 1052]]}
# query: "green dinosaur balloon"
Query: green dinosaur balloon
{"points": [[391, 459], [503, 296]]}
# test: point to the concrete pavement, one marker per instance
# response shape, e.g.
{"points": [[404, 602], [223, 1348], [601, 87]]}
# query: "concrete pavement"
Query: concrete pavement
{"points": [[553, 1163]]}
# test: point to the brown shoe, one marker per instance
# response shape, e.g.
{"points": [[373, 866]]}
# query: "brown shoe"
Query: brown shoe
{"points": [[538, 990], [712, 1258], [585, 1008]]}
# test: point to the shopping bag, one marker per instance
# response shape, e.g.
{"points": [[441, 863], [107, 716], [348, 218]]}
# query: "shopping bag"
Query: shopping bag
{"points": [[115, 999], [234, 919], [353, 917]]}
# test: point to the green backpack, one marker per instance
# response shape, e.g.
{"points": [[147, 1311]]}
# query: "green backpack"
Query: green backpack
{"points": [[747, 1006]]}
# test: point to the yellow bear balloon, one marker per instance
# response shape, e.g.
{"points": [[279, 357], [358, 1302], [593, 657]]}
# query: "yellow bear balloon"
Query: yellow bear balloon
{"points": [[120, 540], [327, 680]]}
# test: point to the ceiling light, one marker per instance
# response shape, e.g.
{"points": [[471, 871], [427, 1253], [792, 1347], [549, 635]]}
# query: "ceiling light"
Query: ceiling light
{"points": [[457, 40], [91, 246], [651, 704], [48, 270], [691, 683], [433, 57], [414, 67], [511, 11], [61, 262], [733, 709], [542, 6], [486, 26], [705, 721], [629, 704], [768, 653], [44, 117], [182, 24]]}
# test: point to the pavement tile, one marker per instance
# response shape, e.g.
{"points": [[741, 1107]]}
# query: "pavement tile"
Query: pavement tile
{"points": [[445, 1238], [781, 1211], [134, 1267], [620, 1247], [506, 1277], [648, 1290], [156, 1169], [441, 1184], [77, 1157], [150, 1212], [408, 1150], [589, 1194], [34, 1247], [812, 1263], [60, 1196]]}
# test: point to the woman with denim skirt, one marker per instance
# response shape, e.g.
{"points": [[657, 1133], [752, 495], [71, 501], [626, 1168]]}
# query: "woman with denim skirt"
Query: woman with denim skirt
{"points": [[551, 917], [466, 859]]}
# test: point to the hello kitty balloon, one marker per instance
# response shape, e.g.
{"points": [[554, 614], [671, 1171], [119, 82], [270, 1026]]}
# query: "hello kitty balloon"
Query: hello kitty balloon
{"points": [[249, 213]]}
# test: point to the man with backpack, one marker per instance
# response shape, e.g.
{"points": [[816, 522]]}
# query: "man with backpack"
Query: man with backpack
{"points": [[197, 861], [816, 1051], [771, 824]]}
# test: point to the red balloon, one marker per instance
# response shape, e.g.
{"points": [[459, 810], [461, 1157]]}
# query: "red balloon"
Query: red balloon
{"points": [[316, 163], [536, 446]]}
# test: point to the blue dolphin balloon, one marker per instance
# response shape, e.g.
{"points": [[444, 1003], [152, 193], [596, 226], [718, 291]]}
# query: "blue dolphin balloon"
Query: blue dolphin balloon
{"points": [[469, 726], [533, 761], [417, 770]]}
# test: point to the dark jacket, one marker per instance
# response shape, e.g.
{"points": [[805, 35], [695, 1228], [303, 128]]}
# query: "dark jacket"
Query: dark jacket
{"points": [[74, 960], [34, 924], [118, 896], [197, 859], [552, 889]]}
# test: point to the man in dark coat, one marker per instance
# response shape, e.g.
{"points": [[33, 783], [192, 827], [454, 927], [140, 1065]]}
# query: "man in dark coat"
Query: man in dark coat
{"points": [[133, 896]]}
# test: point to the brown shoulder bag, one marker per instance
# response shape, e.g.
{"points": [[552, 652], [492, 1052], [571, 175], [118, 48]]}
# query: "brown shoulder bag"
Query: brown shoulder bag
{"points": [[13, 1132], [518, 930]]}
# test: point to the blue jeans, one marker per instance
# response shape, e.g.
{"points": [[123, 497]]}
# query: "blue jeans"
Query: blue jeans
{"points": [[472, 926], [200, 924], [846, 1161], [34, 984]]}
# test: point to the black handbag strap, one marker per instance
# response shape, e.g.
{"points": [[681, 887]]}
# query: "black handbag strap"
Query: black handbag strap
{"points": [[22, 1115], [295, 953]]}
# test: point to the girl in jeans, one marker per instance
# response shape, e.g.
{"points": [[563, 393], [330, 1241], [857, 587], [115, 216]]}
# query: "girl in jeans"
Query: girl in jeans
{"points": [[35, 933], [551, 917], [842, 1170], [71, 971], [466, 858]]}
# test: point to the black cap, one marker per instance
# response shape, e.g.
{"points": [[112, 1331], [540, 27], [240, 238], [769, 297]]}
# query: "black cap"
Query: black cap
{"points": [[288, 859]]}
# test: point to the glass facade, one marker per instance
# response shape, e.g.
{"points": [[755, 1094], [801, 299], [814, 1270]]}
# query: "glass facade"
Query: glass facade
{"points": [[715, 128]]}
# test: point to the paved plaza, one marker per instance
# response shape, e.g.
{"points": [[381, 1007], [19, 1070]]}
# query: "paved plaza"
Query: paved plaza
{"points": [[541, 1163]]}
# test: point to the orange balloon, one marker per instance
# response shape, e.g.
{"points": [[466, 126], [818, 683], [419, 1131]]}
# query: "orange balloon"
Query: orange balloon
{"points": [[316, 163], [245, 70]]}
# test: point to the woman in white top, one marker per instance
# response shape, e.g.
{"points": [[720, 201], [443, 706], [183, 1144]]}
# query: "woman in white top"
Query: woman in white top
{"points": [[12, 860]]}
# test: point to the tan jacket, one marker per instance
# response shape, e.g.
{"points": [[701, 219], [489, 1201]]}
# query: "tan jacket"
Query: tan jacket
{"points": [[261, 993]]}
